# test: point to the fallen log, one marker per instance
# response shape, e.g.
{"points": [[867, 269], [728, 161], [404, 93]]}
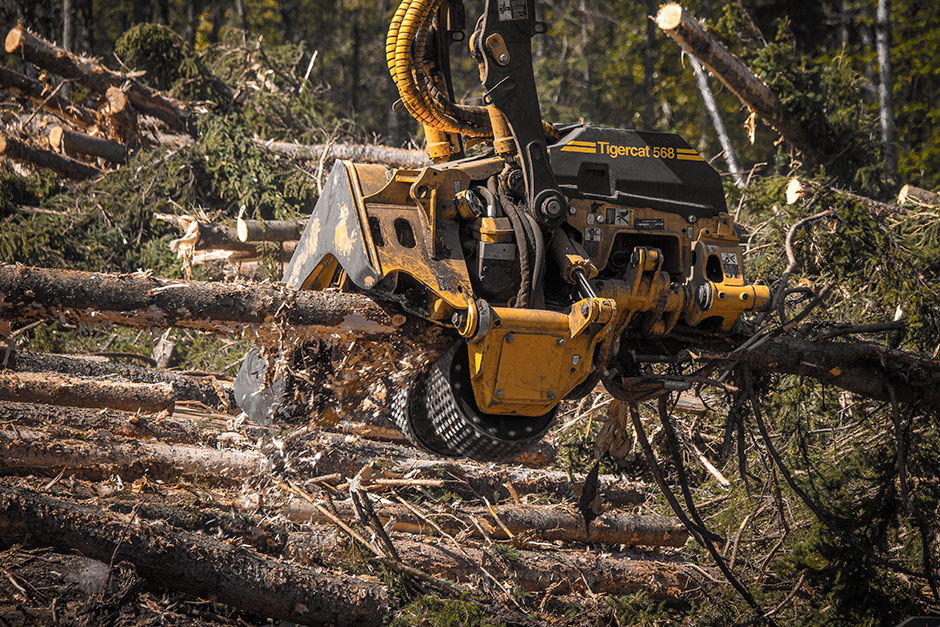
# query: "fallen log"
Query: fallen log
{"points": [[72, 423], [269, 230], [18, 151], [33, 90], [207, 389], [38, 451], [868, 369], [528, 522], [533, 571], [96, 77], [362, 153], [193, 563], [34, 452], [918, 196], [141, 301], [747, 86], [72, 143], [798, 188], [54, 389]]}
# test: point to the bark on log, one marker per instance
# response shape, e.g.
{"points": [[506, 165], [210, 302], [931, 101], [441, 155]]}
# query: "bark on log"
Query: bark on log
{"points": [[533, 571], [918, 196], [71, 423], [72, 143], [145, 302], [123, 125], [18, 151], [96, 77], [204, 389], [24, 452], [33, 90], [362, 153], [750, 89], [531, 522], [193, 563], [269, 230], [860, 367], [54, 389]]}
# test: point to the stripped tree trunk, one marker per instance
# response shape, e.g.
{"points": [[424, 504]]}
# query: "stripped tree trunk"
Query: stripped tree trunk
{"points": [[54, 389]]}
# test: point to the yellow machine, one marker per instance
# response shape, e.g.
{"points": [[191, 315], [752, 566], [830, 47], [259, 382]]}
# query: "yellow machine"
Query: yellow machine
{"points": [[549, 253]]}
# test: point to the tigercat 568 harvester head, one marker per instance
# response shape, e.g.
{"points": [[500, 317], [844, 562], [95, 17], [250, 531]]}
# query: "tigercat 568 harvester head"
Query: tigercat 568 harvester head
{"points": [[550, 254]]}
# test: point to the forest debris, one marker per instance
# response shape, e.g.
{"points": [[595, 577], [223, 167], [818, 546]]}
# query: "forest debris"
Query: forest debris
{"points": [[918, 196], [72, 143], [33, 90], [533, 571], [193, 563], [70, 168], [54, 389], [96, 77], [747, 86], [526, 522]]}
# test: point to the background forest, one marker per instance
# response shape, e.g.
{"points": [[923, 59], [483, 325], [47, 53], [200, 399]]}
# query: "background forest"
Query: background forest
{"points": [[849, 535]]}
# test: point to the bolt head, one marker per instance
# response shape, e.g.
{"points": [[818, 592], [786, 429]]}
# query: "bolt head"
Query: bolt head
{"points": [[552, 208], [585, 309], [551, 396], [503, 58], [510, 339], [498, 393]]}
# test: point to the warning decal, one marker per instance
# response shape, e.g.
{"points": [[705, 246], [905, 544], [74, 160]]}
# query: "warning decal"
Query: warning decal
{"points": [[512, 10]]}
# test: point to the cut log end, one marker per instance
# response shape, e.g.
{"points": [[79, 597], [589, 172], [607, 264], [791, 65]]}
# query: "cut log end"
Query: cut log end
{"points": [[795, 191], [669, 16], [55, 138], [14, 38], [242, 230]]}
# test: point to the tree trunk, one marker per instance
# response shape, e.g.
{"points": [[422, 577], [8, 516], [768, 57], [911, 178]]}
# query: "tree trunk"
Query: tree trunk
{"points": [[270, 230], [145, 302], [561, 572], [18, 151], [68, 24], [54, 389], [731, 156], [193, 563], [33, 90], [203, 389], [885, 88], [532, 522], [752, 91], [36, 452], [363, 153], [96, 77], [72, 143]]}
